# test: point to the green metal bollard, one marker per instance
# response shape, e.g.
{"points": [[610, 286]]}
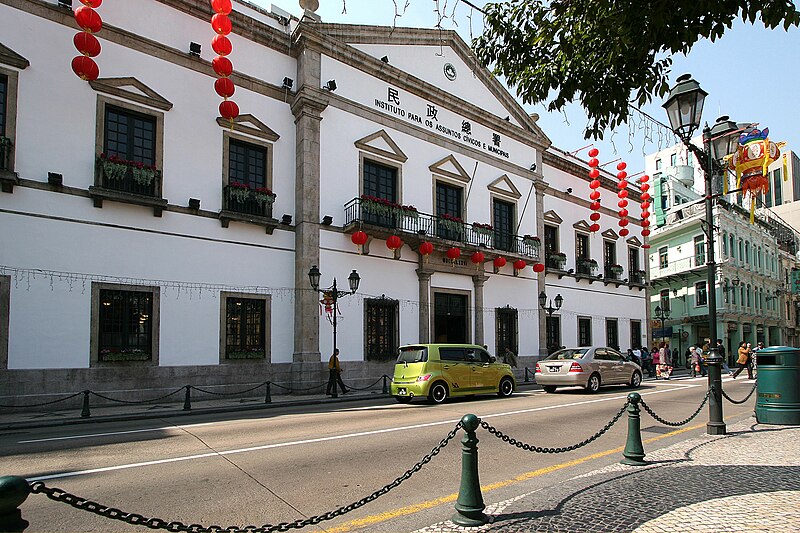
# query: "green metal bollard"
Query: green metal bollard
{"points": [[634, 450], [85, 409], [13, 491], [469, 506], [385, 384], [187, 399], [268, 394]]}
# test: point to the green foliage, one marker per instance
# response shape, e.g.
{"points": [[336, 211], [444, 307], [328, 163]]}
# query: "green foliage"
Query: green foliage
{"points": [[606, 54]]}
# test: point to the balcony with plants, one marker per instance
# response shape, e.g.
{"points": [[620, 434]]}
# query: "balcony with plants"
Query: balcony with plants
{"points": [[382, 218], [126, 181], [244, 203], [613, 274], [586, 268], [8, 178]]}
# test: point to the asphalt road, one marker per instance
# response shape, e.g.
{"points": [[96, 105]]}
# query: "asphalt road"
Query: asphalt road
{"points": [[299, 462]]}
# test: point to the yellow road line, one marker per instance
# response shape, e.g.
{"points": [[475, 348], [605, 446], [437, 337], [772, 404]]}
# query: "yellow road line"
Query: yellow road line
{"points": [[411, 509]]}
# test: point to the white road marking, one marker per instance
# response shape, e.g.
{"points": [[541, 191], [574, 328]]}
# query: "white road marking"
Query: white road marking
{"points": [[335, 437]]}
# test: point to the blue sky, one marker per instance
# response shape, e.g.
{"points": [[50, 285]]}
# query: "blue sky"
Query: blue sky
{"points": [[752, 74]]}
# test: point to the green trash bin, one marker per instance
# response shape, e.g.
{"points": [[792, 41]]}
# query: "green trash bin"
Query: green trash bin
{"points": [[778, 389]]}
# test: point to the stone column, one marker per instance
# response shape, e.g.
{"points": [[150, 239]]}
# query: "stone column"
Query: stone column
{"points": [[541, 282], [424, 277], [478, 280], [307, 106]]}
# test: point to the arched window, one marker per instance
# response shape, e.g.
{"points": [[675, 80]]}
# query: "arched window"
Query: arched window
{"points": [[731, 246], [747, 253], [741, 249], [725, 243]]}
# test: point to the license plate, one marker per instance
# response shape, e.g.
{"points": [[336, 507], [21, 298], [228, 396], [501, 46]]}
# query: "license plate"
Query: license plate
{"points": [[402, 391], [554, 368]]}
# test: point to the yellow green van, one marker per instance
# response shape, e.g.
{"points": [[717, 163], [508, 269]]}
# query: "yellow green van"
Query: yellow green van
{"points": [[438, 371]]}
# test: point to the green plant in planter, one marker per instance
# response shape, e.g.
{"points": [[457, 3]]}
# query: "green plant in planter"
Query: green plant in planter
{"points": [[143, 175], [451, 223], [264, 195], [246, 354], [239, 192], [558, 257], [124, 354], [482, 229], [616, 269], [589, 263], [114, 170], [532, 240]]}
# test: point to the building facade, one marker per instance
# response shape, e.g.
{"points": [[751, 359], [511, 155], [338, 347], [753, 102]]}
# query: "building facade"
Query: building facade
{"points": [[149, 242]]}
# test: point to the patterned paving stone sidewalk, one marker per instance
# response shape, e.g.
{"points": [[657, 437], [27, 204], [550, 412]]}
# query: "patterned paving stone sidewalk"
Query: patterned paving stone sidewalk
{"points": [[746, 481]]}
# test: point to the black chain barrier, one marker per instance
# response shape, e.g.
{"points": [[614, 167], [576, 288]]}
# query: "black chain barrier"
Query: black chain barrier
{"points": [[135, 402], [40, 404], [538, 449], [675, 424], [368, 387], [83, 504], [306, 389], [198, 389], [739, 401]]}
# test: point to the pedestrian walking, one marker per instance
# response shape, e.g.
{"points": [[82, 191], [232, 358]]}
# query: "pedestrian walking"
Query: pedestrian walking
{"points": [[656, 364], [754, 355], [744, 360], [721, 353], [335, 374], [665, 362], [509, 357]]}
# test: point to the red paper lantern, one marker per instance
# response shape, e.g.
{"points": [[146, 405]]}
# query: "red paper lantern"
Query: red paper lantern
{"points": [[644, 179], [538, 267], [624, 232], [594, 184], [593, 162], [645, 196], [622, 165], [224, 87], [594, 217], [623, 203], [622, 175], [623, 213], [593, 152], [359, 238], [645, 187], [229, 110], [88, 19], [622, 194], [645, 246], [645, 232], [622, 184], [221, 45], [645, 223], [645, 205], [519, 264], [426, 248], [594, 206], [453, 254], [86, 43], [222, 66], [623, 222], [645, 214], [594, 227], [394, 243], [477, 258], [595, 195], [594, 173], [499, 262], [92, 3], [85, 68], [221, 24], [221, 6]]}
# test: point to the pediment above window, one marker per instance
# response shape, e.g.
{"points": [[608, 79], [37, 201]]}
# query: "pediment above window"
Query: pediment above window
{"points": [[381, 144], [451, 168], [610, 234], [11, 58], [633, 241], [505, 187], [582, 225], [250, 125], [131, 89], [552, 217]]}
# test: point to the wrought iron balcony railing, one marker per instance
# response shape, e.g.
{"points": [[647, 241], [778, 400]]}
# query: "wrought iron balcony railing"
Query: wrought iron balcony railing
{"points": [[5, 153], [143, 184], [245, 202], [358, 210]]}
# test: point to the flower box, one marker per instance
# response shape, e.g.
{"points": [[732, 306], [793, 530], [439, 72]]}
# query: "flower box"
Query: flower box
{"points": [[616, 269], [451, 224], [482, 229], [117, 169], [386, 208], [532, 240], [246, 354], [124, 354]]}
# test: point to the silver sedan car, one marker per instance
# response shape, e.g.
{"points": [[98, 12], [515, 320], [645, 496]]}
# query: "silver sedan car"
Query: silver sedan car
{"points": [[588, 367]]}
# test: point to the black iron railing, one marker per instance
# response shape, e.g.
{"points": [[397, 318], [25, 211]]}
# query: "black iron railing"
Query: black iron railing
{"points": [[555, 262], [5, 153], [637, 277], [234, 199], [431, 226], [141, 183], [585, 268], [611, 272]]}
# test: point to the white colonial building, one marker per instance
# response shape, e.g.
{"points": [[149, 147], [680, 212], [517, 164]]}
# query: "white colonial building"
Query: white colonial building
{"points": [[148, 242]]}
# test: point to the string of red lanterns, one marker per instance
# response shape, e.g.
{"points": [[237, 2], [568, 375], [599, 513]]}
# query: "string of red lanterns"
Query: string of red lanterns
{"points": [[85, 42], [359, 238], [394, 243], [622, 193], [645, 207], [594, 196], [222, 66]]}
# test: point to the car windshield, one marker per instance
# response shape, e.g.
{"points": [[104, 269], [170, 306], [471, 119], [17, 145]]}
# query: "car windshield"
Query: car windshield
{"points": [[412, 354], [568, 353]]}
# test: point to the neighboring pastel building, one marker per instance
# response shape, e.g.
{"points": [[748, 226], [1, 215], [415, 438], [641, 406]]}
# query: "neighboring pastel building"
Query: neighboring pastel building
{"points": [[194, 267]]}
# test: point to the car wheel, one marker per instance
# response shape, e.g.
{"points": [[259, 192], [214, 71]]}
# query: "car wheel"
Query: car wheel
{"points": [[549, 388], [636, 380], [402, 399], [506, 388], [438, 393], [594, 383]]}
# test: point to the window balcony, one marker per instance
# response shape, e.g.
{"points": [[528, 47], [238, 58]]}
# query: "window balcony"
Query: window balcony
{"points": [[384, 221], [249, 206], [612, 274], [8, 178], [127, 183]]}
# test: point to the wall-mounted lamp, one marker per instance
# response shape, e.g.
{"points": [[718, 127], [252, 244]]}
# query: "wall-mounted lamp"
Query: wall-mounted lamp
{"points": [[286, 220], [194, 49], [675, 295], [54, 178], [330, 86], [569, 190], [287, 83], [194, 203], [385, 59], [327, 220], [533, 167]]}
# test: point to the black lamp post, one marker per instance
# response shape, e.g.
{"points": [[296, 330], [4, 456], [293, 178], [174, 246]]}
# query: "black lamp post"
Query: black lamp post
{"points": [[684, 108], [333, 293], [548, 306], [662, 315]]}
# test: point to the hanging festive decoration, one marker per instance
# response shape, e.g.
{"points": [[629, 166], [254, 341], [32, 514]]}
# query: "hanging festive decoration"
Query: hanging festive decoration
{"points": [[426, 249], [453, 254], [477, 259], [85, 42], [222, 26], [359, 238], [594, 174], [645, 205], [750, 162], [499, 262], [538, 267], [394, 243], [622, 186], [519, 264]]}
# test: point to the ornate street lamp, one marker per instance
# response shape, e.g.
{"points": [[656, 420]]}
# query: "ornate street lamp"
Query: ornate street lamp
{"points": [[684, 108], [334, 294], [662, 315], [559, 301]]}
